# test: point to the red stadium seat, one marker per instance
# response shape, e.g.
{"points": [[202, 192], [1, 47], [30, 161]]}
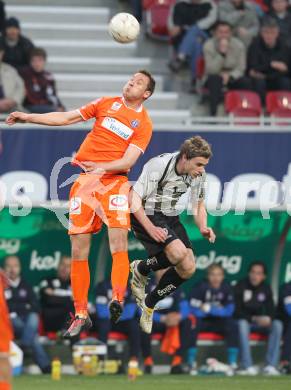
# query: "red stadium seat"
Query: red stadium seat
{"points": [[202, 90], [156, 17], [242, 103], [200, 68], [279, 104], [117, 336], [258, 337], [209, 336]]}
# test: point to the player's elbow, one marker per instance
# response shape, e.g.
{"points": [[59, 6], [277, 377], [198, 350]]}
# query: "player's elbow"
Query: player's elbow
{"points": [[65, 121], [127, 164], [64, 118]]}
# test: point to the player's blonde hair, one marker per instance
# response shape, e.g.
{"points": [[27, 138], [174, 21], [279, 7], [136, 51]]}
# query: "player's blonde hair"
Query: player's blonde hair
{"points": [[195, 147]]}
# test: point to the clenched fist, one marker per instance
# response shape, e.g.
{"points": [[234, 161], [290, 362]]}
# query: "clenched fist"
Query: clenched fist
{"points": [[16, 117]]}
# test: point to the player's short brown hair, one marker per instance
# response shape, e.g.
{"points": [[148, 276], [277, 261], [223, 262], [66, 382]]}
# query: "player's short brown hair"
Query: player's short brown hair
{"points": [[152, 82], [195, 147], [38, 52]]}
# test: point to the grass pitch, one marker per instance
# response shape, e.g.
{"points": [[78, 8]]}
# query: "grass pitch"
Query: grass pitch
{"points": [[157, 382]]}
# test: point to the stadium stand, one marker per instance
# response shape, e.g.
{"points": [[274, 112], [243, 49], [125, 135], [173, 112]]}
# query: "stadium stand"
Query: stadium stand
{"points": [[73, 38]]}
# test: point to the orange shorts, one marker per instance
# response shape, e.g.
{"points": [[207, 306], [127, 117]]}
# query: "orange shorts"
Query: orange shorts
{"points": [[4, 344], [5, 333], [94, 200]]}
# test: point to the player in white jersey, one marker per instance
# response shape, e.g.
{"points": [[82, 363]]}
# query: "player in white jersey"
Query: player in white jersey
{"points": [[155, 221]]}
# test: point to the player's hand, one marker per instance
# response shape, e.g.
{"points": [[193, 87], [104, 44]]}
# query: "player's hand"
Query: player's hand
{"points": [[208, 233], [157, 233], [16, 117], [92, 167]]}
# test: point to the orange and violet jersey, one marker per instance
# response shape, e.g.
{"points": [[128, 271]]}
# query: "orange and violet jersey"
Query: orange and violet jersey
{"points": [[116, 127]]}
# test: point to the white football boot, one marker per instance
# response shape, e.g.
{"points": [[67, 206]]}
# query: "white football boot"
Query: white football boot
{"points": [[146, 319], [138, 282]]}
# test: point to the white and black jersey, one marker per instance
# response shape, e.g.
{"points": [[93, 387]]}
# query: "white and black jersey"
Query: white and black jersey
{"points": [[161, 187]]}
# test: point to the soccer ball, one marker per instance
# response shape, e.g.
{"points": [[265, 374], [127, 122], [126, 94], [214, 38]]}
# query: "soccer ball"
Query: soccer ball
{"points": [[124, 28]]}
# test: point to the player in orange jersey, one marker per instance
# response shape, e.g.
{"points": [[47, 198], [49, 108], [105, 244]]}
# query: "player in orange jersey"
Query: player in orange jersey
{"points": [[6, 336], [121, 133]]}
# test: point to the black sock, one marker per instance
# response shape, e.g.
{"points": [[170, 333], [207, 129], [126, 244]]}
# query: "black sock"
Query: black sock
{"points": [[168, 283], [160, 261]]}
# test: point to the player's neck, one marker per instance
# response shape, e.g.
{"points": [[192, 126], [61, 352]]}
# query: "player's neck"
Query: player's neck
{"points": [[179, 167], [134, 105]]}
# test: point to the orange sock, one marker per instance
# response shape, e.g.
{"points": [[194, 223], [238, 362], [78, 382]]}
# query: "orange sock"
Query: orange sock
{"points": [[119, 274], [177, 360], [80, 281], [5, 386]]}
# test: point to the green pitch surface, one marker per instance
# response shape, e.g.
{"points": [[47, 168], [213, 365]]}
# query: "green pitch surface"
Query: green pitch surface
{"points": [[157, 382]]}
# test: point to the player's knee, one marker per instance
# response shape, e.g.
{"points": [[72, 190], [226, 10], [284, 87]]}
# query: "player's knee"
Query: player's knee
{"points": [[188, 266], [78, 251], [180, 254], [118, 244], [80, 244], [118, 241], [189, 270]]}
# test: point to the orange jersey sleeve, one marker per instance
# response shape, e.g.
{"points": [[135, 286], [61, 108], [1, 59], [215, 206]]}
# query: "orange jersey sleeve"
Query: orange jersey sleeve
{"points": [[142, 138], [90, 110]]}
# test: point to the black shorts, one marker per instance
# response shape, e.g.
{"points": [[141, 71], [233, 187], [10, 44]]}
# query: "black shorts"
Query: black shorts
{"points": [[173, 225]]}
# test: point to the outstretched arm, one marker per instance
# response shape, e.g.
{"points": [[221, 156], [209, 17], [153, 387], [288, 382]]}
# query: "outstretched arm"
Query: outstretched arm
{"points": [[49, 119]]}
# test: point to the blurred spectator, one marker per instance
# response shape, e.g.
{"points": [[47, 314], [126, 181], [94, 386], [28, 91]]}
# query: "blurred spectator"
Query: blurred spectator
{"points": [[188, 24], [284, 313], [56, 298], [11, 86], [268, 60], [279, 11], [225, 63], [23, 308], [170, 320], [17, 47], [212, 305], [241, 15], [2, 16], [255, 312], [128, 323], [41, 94]]}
